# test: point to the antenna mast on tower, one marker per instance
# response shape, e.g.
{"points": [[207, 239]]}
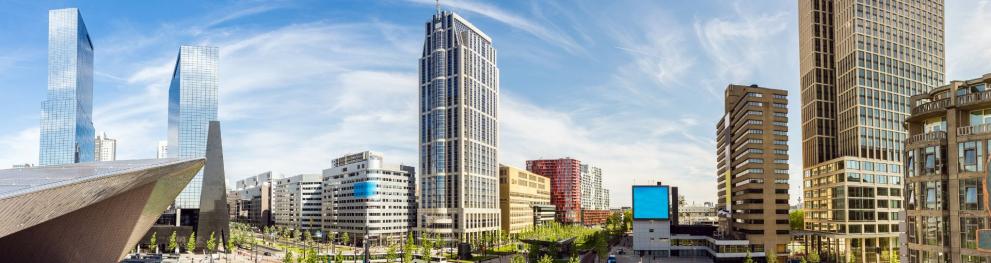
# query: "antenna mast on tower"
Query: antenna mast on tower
{"points": [[438, 6]]}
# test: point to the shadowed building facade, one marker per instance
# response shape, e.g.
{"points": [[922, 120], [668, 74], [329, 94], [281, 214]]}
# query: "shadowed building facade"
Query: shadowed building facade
{"points": [[945, 163], [88, 212], [860, 62]]}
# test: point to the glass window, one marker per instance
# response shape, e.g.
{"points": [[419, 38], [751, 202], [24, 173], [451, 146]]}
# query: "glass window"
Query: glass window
{"points": [[970, 154], [935, 124]]}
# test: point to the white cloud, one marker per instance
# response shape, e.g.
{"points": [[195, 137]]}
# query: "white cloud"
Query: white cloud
{"points": [[968, 39], [742, 45], [19, 148]]}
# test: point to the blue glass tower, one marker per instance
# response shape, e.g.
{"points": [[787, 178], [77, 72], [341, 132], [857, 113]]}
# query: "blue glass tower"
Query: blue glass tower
{"points": [[192, 105], [66, 122]]}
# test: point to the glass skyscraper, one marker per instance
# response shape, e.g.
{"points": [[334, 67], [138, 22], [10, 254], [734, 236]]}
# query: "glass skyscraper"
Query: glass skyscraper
{"points": [[67, 132], [459, 130], [192, 105]]}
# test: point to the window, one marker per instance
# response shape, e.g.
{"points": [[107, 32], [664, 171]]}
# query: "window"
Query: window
{"points": [[931, 160], [970, 154], [978, 117], [782, 133], [779, 96], [971, 195], [780, 105], [754, 112], [754, 94], [935, 124], [780, 114], [910, 163]]}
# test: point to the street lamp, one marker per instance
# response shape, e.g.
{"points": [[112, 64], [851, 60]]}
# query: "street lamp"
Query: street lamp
{"points": [[319, 236]]}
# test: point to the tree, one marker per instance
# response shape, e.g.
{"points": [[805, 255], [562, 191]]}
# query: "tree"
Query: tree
{"points": [[546, 259], [518, 259], [191, 243], [173, 245], [574, 260], [154, 241], [427, 248], [796, 219], [748, 259], [814, 257], [211, 245], [346, 239], [288, 258], [390, 253], [338, 258], [409, 249], [601, 245], [772, 258]]}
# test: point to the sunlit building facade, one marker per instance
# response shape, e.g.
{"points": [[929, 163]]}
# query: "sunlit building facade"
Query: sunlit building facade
{"points": [[106, 148], [520, 192], [945, 164], [66, 114], [860, 62], [192, 105], [459, 130]]}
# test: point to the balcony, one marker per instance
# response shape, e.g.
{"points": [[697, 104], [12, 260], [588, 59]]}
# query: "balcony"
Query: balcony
{"points": [[930, 107], [975, 129], [936, 136], [974, 98]]}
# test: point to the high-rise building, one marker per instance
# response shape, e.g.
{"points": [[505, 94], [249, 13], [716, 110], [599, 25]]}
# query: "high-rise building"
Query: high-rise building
{"points": [[296, 202], [945, 166], [860, 62], [520, 194], [363, 193], [566, 195], [253, 205], [752, 166], [192, 105], [459, 130], [106, 148], [66, 114], [163, 150]]}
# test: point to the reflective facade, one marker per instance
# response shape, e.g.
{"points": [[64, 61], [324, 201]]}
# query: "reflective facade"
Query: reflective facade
{"points": [[860, 62], [459, 98], [945, 162], [192, 105], [752, 167], [66, 114]]}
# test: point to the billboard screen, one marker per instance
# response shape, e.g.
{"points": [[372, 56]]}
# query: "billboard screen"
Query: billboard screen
{"points": [[364, 189], [651, 202]]}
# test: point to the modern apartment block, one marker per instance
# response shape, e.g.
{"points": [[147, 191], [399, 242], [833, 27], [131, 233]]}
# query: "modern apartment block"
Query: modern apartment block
{"points": [[594, 196], [459, 130], [860, 62], [752, 164], [363, 193], [66, 113], [163, 150], [106, 148], [253, 202], [521, 193], [945, 166], [565, 175], [296, 202]]}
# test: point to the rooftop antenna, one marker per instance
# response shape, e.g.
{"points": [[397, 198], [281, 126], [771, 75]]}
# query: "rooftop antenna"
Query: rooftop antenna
{"points": [[438, 6]]}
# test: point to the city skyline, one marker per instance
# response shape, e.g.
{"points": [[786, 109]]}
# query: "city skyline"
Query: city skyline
{"points": [[130, 84]]}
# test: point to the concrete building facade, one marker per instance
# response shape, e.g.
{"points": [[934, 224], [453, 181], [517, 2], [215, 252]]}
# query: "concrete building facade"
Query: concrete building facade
{"points": [[386, 212], [252, 204], [296, 202], [521, 193], [860, 61], [106, 148], [752, 164], [945, 165]]}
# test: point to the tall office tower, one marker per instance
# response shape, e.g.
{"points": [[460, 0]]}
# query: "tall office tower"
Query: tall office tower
{"points": [[946, 154], [860, 62], [192, 105], [66, 114], [459, 130], [361, 192], [106, 148], [566, 195], [752, 163], [163, 150], [296, 202]]}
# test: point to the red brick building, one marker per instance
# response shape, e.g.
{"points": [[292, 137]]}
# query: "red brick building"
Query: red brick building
{"points": [[595, 217], [565, 175]]}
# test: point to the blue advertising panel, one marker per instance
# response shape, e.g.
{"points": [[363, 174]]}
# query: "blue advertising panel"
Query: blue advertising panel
{"points": [[651, 202], [364, 189]]}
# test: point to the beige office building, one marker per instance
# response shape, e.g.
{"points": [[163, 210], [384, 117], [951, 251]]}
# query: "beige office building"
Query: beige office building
{"points": [[752, 164], [519, 191], [860, 62], [946, 154]]}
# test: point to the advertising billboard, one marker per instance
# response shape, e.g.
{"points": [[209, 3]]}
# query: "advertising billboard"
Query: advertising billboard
{"points": [[364, 189], [651, 202]]}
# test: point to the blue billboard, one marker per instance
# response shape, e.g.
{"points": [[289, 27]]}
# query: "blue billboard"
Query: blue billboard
{"points": [[364, 189], [651, 202]]}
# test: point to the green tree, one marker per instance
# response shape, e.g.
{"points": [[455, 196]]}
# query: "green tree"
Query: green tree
{"points": [[296, 234], [748, 259], [390, 253], [409, 249], [427, 247], [546, 259], [338, 258], [345, 239], [574, 260], [211, 244], [814, 257], [601, 246], [153, 243], [173, 244], [230, 246], [288, 258], [191, 243], [772, 258], [518, 259], [796, 219]]}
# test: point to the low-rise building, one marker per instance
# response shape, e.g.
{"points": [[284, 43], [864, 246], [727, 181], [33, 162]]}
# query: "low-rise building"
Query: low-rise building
{"points": [[253, 200], [520, 193], [698, 215], [364, 195], [296, 202]]}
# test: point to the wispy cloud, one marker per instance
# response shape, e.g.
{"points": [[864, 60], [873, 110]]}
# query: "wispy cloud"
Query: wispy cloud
{"points": [[968, 39], [555, 37]]}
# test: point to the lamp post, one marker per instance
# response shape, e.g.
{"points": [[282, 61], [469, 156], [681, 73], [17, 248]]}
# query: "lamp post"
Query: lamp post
{"points": [[319, 236]]}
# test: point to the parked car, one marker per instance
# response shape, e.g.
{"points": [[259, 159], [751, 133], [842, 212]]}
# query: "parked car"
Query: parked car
{"points": [[612, 259]]}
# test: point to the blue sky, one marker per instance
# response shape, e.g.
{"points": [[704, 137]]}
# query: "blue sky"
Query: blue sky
{"points": [[631, 86]]}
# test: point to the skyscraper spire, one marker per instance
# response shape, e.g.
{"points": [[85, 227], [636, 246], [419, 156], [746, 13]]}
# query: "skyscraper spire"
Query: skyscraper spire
{"points": [[437, 5]]}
